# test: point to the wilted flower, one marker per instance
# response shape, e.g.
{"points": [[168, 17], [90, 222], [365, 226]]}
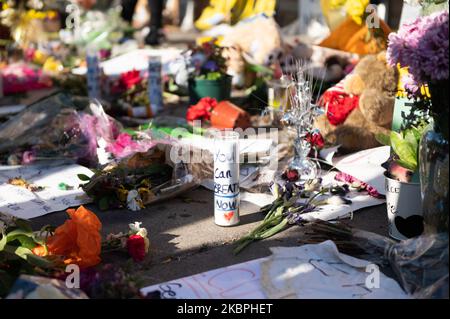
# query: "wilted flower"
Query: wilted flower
{"points": [[316, 140], [355, 183], [340, 190], [28, 157], [338, 200], [291, 175], [134, 201], [313, 185], [78, 239]]}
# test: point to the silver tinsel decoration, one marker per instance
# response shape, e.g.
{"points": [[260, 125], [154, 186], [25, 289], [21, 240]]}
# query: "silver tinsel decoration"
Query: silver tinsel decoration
{"points": [[301, 117]]}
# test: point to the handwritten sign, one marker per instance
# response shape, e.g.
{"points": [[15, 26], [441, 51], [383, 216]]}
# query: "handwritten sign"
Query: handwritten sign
{"points": [[23, 203], [237, 281], [226, 180], [308, 271]]}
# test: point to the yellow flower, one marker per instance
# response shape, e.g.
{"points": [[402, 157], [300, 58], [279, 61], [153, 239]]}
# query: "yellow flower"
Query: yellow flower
{"points": [[39, 57], [356, 8], [122, 194], [52, 65], [336, 4]]}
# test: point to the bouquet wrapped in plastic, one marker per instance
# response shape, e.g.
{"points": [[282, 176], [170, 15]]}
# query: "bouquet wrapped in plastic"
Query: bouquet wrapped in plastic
{"points": [[57, 127], [419, 264]]}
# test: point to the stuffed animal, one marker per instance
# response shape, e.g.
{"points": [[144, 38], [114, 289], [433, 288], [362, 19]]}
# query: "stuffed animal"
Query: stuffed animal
{"points": [[360, 106], [259, 38]]}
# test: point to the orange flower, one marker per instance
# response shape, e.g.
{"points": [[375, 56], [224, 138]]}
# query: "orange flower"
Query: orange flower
{"points": [[78, 239], [40, 250]]}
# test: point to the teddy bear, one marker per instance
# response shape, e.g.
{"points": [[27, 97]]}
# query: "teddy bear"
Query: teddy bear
{"points": [[360, 106], [259, 40]]}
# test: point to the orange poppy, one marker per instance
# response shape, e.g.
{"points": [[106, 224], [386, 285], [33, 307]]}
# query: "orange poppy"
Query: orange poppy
{"points": [[78, 239]]}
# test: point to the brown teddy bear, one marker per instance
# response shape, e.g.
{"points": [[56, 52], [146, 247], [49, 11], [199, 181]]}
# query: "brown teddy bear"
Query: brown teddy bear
{"points": [[360, 106]]}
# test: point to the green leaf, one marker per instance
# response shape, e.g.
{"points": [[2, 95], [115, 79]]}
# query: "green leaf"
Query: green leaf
{"points": [[383, 139], [3, 242], [407, 165], [24, 240], [411, 138], [28, 255], [18, 232], [84, 177], [21, 252], [405, 151], [40, 261]]}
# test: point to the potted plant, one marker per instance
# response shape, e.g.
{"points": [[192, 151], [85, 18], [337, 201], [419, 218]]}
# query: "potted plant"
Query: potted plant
{"points": [[403, 198], [207, 73]]}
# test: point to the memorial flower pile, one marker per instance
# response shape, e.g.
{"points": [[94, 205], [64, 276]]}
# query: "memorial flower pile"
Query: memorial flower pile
{"points": [[293, 199]]}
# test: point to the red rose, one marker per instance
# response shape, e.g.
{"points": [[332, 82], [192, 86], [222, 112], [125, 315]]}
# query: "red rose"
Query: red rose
{"points": [[316, 140], [136, 247], [291, 175], [202, 110], [130, 79]]}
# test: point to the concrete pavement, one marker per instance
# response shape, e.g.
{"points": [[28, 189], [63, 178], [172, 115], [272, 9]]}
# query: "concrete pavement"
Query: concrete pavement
{"points": [[185, 240]]}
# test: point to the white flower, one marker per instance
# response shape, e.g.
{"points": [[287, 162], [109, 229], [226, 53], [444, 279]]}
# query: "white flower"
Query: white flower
{"points": [[135, 226], [134, 201], [138, 230], [313, 185]]}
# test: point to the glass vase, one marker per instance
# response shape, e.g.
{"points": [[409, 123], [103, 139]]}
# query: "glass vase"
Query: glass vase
{"points": [[433, 162]]}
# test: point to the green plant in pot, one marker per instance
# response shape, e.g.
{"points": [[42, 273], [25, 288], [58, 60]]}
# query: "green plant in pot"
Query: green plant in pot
{"points": [[404, 162], [403, 200], [208, 73]]}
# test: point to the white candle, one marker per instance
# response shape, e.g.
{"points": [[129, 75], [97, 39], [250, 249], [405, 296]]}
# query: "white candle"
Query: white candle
{"points": [[226, 178]]}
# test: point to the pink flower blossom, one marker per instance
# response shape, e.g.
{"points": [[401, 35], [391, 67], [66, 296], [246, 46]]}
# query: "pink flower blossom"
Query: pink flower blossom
{"points": [[343, 177]]}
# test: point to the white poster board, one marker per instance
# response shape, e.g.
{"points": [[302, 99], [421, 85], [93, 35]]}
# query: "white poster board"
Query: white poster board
{"points": [[309, 271], [23, 203]]}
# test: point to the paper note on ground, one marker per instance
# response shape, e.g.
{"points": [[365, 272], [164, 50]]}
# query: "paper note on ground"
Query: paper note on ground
{"points": [[233, 282], [320, 271], [23, 203], [309, 271], [364, 165]]}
